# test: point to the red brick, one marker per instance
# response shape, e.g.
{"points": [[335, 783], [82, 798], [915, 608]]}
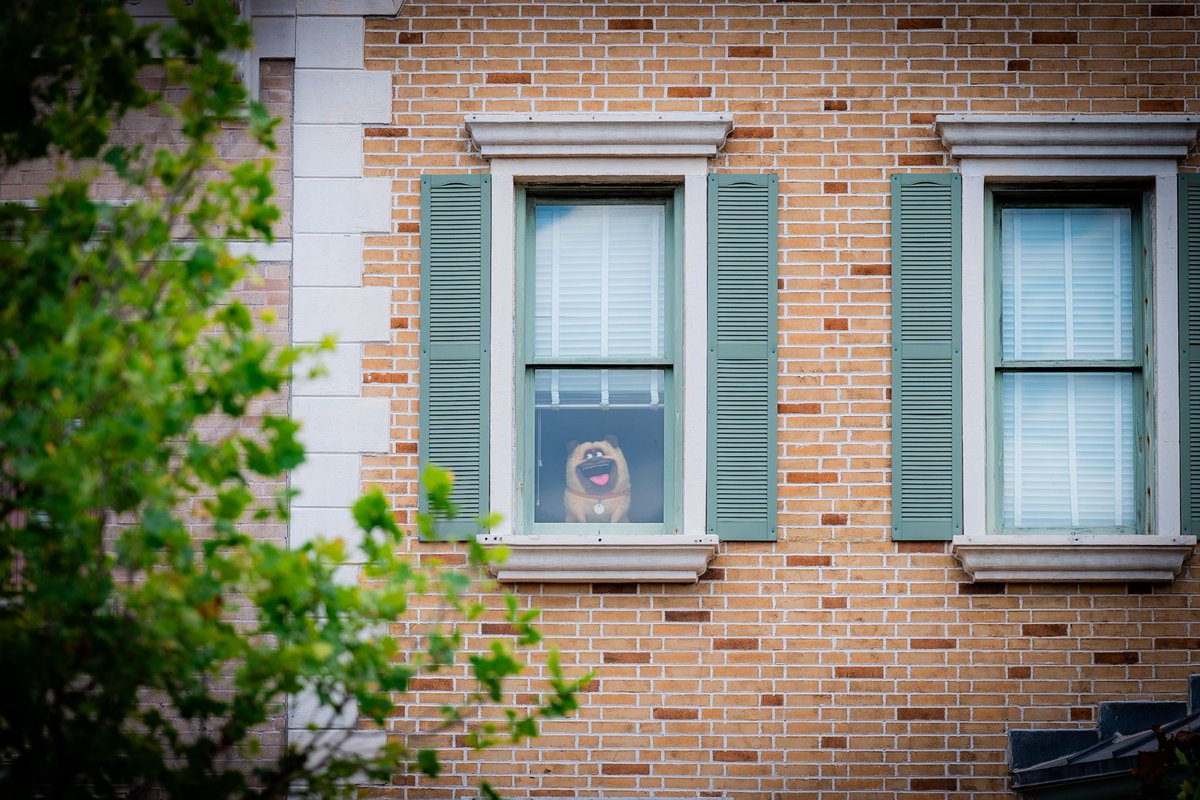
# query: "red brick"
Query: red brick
{"points": [[834, 743], [761, 51], [799, 408], [509, 77], [771, 700], [752, 133], [934, 784], [1082, 713], [834, 519], [631, 24], [1019, 65], [624, 769], [836, 105], [735, 755], [499, 629], [1172, 9], [1161, 106], [870, 269], [858, 672], [625, 657], [833, 601], [689, 91], [408, 37], [912, 714], [676, 713], [1168, 643], [1017, 673], [932, 644], [1120, 657], [1054, 37], [431, 685], [1035, 629], [811, 477], [835, 324], [835, 187], [735, 643], [919, 160], [687, 616], [809, 561], [385, 132], [919, 23]]}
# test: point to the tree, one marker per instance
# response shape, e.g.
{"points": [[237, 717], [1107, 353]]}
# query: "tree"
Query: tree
{"points": [[124, 556]]}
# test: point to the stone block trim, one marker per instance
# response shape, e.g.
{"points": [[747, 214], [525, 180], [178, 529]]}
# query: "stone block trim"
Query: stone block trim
{"points": [[335, 206]]}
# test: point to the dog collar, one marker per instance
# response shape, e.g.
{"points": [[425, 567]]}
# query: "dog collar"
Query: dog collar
{"points": [[598, 496]]}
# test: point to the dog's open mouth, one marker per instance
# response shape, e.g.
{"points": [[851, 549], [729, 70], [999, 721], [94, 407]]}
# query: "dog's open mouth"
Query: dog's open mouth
{"points": [[596, 474]]}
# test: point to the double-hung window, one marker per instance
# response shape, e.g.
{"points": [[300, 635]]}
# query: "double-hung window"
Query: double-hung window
{"points": [[599, 340], [1068, 302], [1043, 348], [598, 344]]}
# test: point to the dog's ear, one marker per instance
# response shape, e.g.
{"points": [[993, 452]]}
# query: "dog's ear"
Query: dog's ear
{"points": [[571, 445], [612, 439]]}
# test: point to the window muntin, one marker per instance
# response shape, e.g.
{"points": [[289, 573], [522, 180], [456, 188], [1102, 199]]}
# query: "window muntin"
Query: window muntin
{"points": [[1069, 373], [598, 360]]}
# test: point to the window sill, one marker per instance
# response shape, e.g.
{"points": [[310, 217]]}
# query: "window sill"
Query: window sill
{"points": [[607, 558], [1038, 558]]}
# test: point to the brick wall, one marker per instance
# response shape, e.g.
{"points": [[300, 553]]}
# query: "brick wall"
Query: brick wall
{"points": [[834, 663]]}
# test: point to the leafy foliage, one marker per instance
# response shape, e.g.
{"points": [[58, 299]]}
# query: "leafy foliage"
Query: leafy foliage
{"points": [[145, 634], [1172, 772]]}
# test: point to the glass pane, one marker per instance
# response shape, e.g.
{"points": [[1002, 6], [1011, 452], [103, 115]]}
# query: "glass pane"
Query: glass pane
{"points": [[599, 445], [1067, 277], [599, 280], [1068, 449]]}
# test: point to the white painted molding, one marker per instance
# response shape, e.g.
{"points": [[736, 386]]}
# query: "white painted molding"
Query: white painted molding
{"points": [[507, 174], [611, 134], [1072, 559], [1067, 135], [616, 558]]}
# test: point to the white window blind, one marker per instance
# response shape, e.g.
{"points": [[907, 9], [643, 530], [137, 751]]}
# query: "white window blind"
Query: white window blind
{"points": [[599, 286], [1067, 437]]}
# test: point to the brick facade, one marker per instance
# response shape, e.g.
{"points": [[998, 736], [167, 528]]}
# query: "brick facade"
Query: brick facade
{"points": [[833, 663]]}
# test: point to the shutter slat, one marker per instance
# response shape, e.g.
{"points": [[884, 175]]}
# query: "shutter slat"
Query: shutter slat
{"points": [[742, 259], [926, 362], [455, 267], [1189, 352]]}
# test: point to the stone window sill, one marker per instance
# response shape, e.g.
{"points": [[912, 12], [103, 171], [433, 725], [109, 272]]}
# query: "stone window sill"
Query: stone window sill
{"points": [[607, 558], [1039, 558]]}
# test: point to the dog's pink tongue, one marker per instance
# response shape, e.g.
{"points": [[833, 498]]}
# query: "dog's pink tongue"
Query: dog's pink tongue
{"points": [[599, 480]]}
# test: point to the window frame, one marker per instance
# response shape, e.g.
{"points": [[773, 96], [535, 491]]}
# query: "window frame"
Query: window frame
{"points": [[527, 198], [1135, 197], [690, 174]]}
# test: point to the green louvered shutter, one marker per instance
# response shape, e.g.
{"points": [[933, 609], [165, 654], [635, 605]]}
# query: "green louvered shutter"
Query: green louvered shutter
{"points": [[926, 357], [455, 267], [742, 308], [1189, 352]]}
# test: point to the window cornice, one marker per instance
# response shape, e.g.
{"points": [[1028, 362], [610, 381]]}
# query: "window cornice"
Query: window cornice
{"points": [[608, 134], [1068, 135]]}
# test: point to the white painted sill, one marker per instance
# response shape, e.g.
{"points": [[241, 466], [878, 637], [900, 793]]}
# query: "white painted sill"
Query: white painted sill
{"points": [[1040, 558], [607, 558]]}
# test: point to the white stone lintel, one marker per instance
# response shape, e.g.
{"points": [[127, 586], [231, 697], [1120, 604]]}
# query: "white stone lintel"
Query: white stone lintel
{"points": [[1068, 135], [598, 134], [343, 205], [1067, 558], [343, 96], [603, 558]]}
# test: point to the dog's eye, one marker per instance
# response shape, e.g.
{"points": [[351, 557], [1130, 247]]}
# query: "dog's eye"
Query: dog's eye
{"points": [[589, 454]]}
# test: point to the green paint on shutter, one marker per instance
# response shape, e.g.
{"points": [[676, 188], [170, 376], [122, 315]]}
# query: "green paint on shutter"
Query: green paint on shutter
{"points": [[926, 357], [1189, 352], [455, 268], [742, 309]]}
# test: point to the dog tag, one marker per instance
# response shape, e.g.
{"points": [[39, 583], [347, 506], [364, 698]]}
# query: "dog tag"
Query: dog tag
{"points": [[598, 508]]}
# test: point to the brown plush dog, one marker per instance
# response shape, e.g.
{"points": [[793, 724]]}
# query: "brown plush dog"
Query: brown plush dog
{"points": [[597, 482]]}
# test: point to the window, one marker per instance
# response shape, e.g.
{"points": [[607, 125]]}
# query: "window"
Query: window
{"points": [[598, 283], [599, 343], [1042, 353], [1068, 415]]}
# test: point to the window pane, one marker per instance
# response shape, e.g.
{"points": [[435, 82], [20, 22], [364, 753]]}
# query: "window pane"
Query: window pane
{"points": [[1068, 449], [599, 280], [1067, 279], [599, 445]]}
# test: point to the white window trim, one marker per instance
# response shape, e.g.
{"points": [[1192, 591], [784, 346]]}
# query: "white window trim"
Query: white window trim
{"points": [[544, 157], [1010, 149]]}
